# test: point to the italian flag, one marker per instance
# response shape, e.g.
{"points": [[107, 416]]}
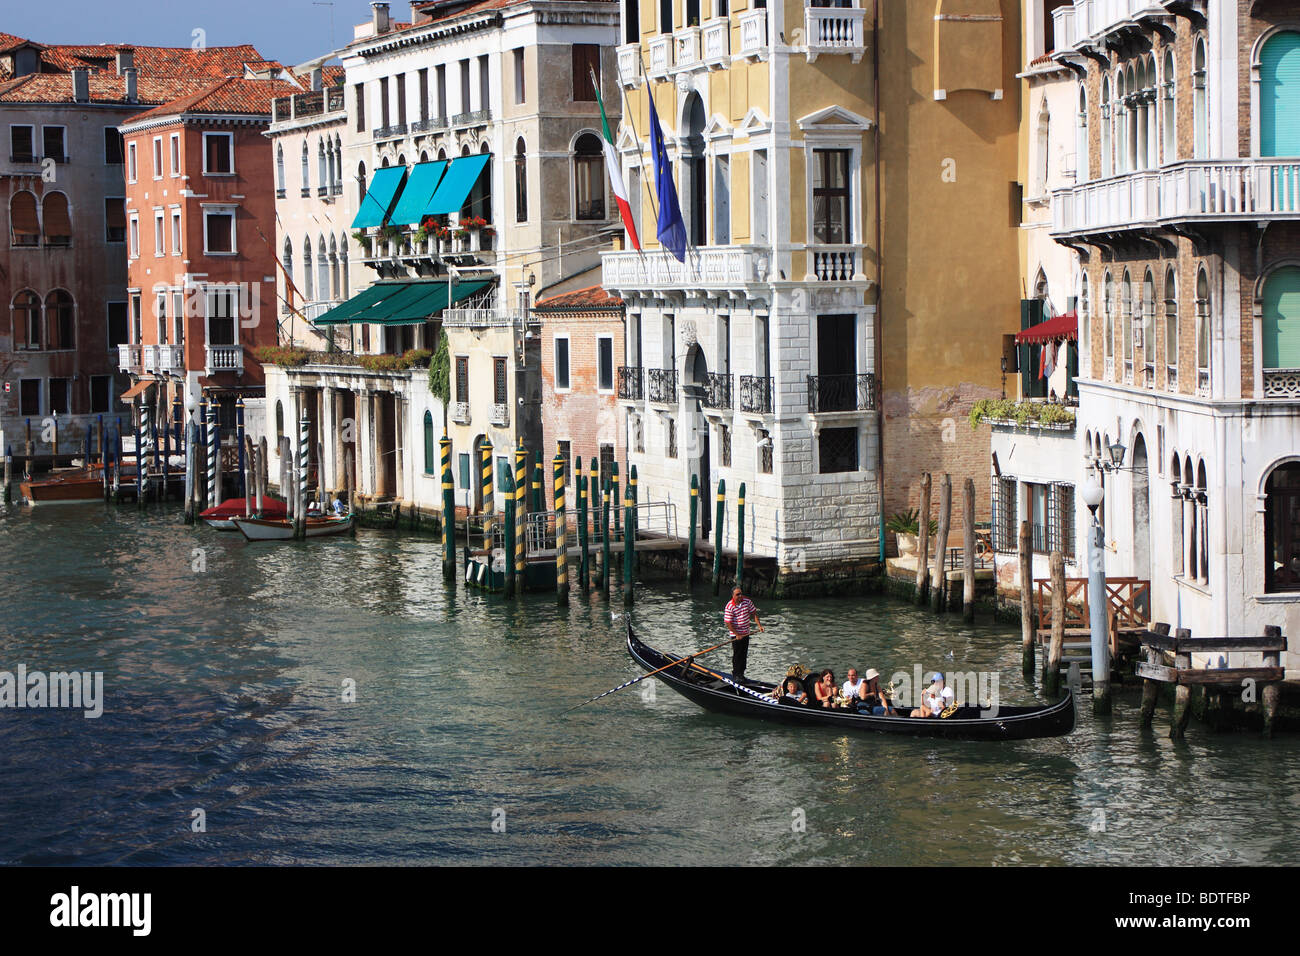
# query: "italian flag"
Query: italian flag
{"points": [[615, 170]]}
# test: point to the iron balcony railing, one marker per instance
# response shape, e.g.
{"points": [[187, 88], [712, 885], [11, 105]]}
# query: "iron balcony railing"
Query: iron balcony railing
{"points": [[631, 382], [430, 125], [663, 385], [756, 394], [472, 118], [841, 393], [390, 132], [717, 391]]}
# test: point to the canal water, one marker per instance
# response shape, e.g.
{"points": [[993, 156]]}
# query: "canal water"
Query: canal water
{"points": [[225, 666]]}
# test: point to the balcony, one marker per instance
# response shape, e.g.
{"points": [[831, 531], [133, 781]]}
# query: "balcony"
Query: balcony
{"points": [[835, 30], [717, 391], [1063, 29], [472, 118], [716, 37], [1088, 21], [224, 358], [756, 394], [129, 358], [840, 263], [390, 132], [309, 104], [686, 49], [631, 383], [660, 50], [487, 318], [1192, 191], [753, 34], [663, 385], [724, 268], [162, 358], [499, 415], [629, 65], [314, 310], [1282, 383], [460, 413], [841, 393]]}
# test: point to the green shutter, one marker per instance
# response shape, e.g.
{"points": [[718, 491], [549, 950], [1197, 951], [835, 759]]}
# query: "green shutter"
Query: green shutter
{"points": [[1279, 95], [1031, 313], [1281, 327], [428, 442]]}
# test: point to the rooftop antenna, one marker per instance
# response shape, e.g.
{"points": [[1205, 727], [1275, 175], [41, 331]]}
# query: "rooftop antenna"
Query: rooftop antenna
{"points": [[330, 4]]}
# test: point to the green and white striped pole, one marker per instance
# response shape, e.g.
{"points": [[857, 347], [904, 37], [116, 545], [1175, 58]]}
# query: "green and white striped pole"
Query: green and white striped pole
{"points": [[448, 512], [561, 543]]}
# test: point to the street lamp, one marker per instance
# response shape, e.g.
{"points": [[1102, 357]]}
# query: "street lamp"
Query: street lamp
{"points": [[1116, 455], [1093, 495]]}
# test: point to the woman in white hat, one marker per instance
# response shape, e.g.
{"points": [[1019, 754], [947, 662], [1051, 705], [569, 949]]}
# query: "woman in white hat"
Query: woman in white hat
{"points": [[871, 699]]}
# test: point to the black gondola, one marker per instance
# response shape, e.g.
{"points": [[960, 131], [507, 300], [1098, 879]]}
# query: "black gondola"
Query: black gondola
{"points": [[718, 691]]}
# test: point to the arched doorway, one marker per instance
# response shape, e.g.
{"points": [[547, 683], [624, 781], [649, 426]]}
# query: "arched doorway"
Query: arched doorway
{"points": [[1282, 529], [1141, 513], [697, 374]]}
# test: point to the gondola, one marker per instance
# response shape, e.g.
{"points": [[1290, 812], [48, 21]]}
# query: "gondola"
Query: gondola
{"points": [[718, 691]]}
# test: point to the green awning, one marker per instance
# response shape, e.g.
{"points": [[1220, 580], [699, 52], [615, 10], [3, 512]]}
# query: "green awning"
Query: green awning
{"points": [[419, 189], [456, 183], [343, 313], [384, 187]]}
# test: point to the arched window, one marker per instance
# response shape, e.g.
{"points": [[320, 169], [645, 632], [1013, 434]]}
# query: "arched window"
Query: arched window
{"points": [[1148, 327], [1108, 304], [1282, 529], [56, 220], [60, 320], [322, 168], [442, 153], [334, 269], [343, 267], [521, 181], [23, 220], [1192, 522], [1200, 103], [338, 165], [1169, 120], [361, 184], [1171, 329], [1132, 111], [306, 169], [279, 168], [1085, 321], [1177, 507], [1203, 525], [424, 156], [1279, 95], [306, 270], [1281, 324], [322, 270], [1081, 173], [279, 423], [589, 177], [1106, 125], [1040, 293], [1044, 145], [1121, 122], [27, 321], [288, 274], [1126, 320], [1202, 329], [428, 443]]}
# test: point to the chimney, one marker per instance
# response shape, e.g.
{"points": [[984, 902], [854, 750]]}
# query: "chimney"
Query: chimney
{"points": [[317, 78], [128, 77], [379, 17], [125, 60], [80, 84]]}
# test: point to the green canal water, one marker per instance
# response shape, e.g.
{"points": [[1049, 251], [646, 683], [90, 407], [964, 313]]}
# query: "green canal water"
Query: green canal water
{"points": [[224, 665]]}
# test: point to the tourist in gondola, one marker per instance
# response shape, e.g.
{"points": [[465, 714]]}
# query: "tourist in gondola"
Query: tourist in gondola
{"points": [[741, 617], [825, 689], [936, 699], [790, 691], [871, 699], [853, 685]]}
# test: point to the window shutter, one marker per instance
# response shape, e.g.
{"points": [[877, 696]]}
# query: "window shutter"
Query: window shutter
{"points": [[58, 225], [22, 215], [1279, 69]]}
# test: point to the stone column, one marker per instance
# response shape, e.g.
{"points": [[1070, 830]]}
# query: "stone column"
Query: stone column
{"points": [[328, 433], [381, 470]]}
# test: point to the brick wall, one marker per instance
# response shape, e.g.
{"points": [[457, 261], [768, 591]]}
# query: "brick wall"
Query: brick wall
{"points": [[583, 415]]}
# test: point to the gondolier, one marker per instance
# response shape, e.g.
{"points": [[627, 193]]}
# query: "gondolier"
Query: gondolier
{"points": [[741, 617]]}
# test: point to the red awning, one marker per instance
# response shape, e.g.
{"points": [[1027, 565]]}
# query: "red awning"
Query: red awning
{"points": [[1058, 327], [136, 389]]}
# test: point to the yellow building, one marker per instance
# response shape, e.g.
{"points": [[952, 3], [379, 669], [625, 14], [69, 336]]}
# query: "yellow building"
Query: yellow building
{"points": [[761, 358]]}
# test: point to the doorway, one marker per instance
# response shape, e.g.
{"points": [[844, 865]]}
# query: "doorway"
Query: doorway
{"points": [[1141, 515]]}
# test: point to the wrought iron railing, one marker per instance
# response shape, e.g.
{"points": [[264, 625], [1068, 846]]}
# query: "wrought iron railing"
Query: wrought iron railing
{"points": [[841, 393], [717, 391], [631, 382], [663, 385], [389, 132], [472, 118], [756, 394]]}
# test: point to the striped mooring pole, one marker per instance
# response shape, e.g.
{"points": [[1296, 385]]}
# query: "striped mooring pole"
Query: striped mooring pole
{"points": [[604, 538], [167, 450], [304, 439], [613, 493], [690, 534], [520, 556], [593, 505], [717, 536], [539, 495], [561, 545], [508, 551], [214, 454], [448, 512], [629, 551], [489, 501], [580, 486], [153, 441], [636, 519], [139, 455], [740, 536]]}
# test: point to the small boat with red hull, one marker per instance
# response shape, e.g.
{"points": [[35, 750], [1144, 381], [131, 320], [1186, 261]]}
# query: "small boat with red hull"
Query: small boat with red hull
{"points": [[222, 516]]}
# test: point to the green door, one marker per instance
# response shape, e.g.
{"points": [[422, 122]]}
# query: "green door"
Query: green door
{"points": [[1281, 330], [1279, 99]]}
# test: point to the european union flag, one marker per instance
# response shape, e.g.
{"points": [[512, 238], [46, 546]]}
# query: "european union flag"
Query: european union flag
{"points": [[671, 229]]}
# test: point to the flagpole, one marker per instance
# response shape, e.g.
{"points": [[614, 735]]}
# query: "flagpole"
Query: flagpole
{"points": [[640, 161], [648, 92]]}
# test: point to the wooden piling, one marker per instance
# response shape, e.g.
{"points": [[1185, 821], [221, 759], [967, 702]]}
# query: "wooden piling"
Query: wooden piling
{"points": [[248, 461], [604, 537], [1151, 688], [968, 551], [580, 488], [508, 555], [448, 509], [629, 552], [614, 495], [939, 587], [489, 499], [1026, 600], [539, 496], [1271, 693], [350, 476], [561, 541], [1052, 661], [1182, 692], [690, 533], [593, 505], [9, 469], [717, 535], [740, 536], [923, 541]]}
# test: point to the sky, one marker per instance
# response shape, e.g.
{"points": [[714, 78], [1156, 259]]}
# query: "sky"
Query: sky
{"points": [[291, 31]]}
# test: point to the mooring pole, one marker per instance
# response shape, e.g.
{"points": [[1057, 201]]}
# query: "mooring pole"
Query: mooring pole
{"points": [[629, 553], [690, 533], [214, 456], [139, 457], [580, 483], [489, 502], [1052, 659], [561, 544], [539, 494], [520, 557], [1098, 604], [593, 505], [939, 587], [613, 492], [740, 536], [968, 551], [508, 552], [448, 511], [1025, 546], [239, 437], [304, 439], [167, 454], [29, 450], [9, 471], [923, 541], [191, 457], [604, 537], [249, 462], [717, 536], [636, 517], [153, 442]]}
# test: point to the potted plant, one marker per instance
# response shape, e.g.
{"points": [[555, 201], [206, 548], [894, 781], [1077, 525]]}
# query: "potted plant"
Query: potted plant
{"points": [[906, 525], [363, 240]]}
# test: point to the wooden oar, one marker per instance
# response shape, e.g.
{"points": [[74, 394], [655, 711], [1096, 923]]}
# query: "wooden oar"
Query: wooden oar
{"points": [[638, 680]]}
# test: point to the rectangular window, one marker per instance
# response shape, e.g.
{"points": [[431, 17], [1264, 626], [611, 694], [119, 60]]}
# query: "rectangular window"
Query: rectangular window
{"points": [[765, 452], [500, 390], [561, 363], [484, 84], [383, 102], [118, 333], [112, 146], [218, 232], [176, 232], [566, 455], [400, 82], [463, 468], [1039, 526], [724, 446], [606, 463], [462, 378], [29, 396], [130, 163], [157, 158], [22, 144], [53, 143], [218, 154], [60, 396], [175, 142], [1003, 507], [136, 330], [178, 317], [133, 249], [115, 219], [160, 312], [101, 394], [359, 95], [837, 450], [464, 86], [1061, 519], [831, 210], [424, 94], [722, 201], [223, 308], [586, 61], [159, 234], [440, 72], [520, 90], [605, 363]]}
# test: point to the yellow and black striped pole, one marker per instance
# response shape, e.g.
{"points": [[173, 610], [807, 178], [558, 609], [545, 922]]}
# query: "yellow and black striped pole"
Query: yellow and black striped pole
{"points": [[448, 513], [485, 452], [613, 492], [604, 538], [521, 520], [561, 545], [508, 552], [629, 550]]}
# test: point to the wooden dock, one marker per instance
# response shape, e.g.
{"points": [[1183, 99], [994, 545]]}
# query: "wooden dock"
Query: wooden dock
{"points": [[1126, 616]]}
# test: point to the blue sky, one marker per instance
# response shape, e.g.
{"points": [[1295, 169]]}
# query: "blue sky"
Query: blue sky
{"points": [[287, 30]]}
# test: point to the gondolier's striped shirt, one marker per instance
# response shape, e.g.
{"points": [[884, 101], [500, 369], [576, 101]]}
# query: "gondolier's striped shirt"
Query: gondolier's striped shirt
{"points": [[739, 615]]}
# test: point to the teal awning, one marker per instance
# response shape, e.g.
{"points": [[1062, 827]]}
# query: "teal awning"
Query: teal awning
{"points": [[384, 187], [401, 303], [419, 189], [343, 313], [456, 183]]}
